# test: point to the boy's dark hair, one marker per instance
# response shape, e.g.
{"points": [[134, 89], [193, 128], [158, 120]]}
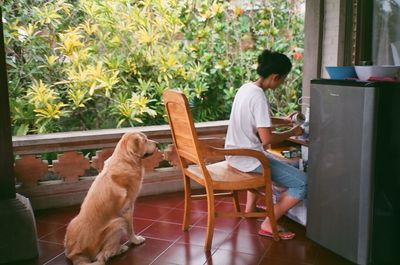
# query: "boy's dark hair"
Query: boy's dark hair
{"points": [[273, 63]]}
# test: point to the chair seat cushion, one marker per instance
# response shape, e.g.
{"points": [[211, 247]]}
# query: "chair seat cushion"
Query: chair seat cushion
{"points": [[226, 177]]}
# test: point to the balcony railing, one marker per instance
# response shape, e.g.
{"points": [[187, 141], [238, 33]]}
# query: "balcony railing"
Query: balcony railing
{"points": [[66, 179]]}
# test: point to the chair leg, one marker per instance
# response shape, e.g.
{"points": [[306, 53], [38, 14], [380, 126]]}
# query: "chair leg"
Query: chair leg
{"points": [[271, 215], [188, 203], [235, 198], [210, 219]]}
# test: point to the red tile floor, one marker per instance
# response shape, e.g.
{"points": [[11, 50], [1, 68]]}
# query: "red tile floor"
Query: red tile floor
{"points": [[158, 219]]}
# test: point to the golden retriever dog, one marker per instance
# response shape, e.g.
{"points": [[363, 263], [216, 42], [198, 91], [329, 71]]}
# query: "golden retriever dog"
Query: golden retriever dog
{"points": [[106, 214]]}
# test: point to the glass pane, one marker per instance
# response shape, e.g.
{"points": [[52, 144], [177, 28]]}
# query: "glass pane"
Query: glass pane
{"points": [[386, 32]]}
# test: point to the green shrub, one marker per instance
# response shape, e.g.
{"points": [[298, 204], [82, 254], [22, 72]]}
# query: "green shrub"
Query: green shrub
{"points": [[77, 65]]}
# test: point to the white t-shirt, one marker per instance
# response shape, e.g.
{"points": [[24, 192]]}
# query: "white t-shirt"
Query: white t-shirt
{"points": [[250, 110]]}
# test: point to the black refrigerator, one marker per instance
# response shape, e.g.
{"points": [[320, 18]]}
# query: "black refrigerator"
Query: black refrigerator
{"points": [[353, 205]]}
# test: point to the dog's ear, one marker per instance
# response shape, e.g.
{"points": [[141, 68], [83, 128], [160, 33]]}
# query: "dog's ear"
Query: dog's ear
{"points": [[136, 144], [127, 144]]}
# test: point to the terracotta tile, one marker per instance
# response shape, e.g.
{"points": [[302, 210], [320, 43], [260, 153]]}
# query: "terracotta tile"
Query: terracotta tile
{"points": [[292, 250], [151, 248], [170, 200], [48, 251], [142, 254], [56, 215], [132, 260], [197, 235], [226, 257], [248, 226], [225, 206], [156, 262], [227, 224], [164, 231], [327, 257], [149, 212], [250, 244], [176, 216], [183, 254], [141, 224], [118, 260], [45, 228], [242, 198], [198, 205], [268, 261], [60, 260], [56, 236]]}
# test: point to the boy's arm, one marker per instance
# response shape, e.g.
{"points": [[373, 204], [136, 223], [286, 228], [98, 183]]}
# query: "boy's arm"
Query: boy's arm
{"points": [[267, 136], [280, 120], [283, 121]]}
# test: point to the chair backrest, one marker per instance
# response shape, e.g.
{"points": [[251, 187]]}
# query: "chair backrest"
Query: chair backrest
{"points": [[182, 127]]}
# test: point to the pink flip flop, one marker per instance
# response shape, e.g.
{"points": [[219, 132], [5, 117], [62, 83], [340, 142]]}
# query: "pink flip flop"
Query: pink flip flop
{"points": [[284, 235]]}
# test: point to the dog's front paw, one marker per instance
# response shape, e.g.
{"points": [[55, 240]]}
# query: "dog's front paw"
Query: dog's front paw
{"points": [[122, 249], [137, 239]]}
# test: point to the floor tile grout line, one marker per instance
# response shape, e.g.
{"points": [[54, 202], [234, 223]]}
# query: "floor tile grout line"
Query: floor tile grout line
{"points": [[155, 220], [173, 242], [48, 262], [152, 205], [264, 255], [190, 227], [50, 242], [65, 225], [213, 250]]}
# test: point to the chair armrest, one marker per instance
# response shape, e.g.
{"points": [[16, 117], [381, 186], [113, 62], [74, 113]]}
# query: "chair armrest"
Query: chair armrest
{"points": [[237, 152], [211, 151]]}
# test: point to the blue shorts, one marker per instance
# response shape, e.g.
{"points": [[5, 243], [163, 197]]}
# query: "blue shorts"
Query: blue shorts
{"points": [[287, 176]]}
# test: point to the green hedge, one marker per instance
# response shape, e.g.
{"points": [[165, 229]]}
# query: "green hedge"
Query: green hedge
{"points": [[90, 64]]}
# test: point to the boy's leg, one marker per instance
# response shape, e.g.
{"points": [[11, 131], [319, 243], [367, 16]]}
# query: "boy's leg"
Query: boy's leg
{"points": [[287, 176], [293, 179], [251, 202], [280, 208]]}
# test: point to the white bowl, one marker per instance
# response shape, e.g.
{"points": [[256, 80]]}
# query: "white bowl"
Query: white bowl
{"points": [[377, 72]]}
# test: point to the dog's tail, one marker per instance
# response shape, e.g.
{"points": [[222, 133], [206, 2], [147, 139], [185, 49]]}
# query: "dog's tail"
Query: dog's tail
{"points": [[84, 260]]}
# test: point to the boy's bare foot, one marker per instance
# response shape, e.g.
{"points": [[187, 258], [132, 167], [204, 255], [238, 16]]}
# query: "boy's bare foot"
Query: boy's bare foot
{"points": [[266, 230]]}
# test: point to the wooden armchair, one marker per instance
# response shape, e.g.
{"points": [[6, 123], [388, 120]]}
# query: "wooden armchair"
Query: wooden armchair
{"points": [[219, 176]]}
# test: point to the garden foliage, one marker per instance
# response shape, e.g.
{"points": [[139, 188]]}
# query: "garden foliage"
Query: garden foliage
{"points": [[91, 64]]}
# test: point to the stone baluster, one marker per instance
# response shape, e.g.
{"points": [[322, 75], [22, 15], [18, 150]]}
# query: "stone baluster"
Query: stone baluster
{"points": [[71, 166], [29, 169]]}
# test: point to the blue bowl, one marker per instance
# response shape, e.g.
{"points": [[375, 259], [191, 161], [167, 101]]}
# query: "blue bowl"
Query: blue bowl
{"points": [[341, 72]]}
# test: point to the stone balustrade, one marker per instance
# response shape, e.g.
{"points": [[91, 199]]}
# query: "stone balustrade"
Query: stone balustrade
{"points": [[65, 180]]}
